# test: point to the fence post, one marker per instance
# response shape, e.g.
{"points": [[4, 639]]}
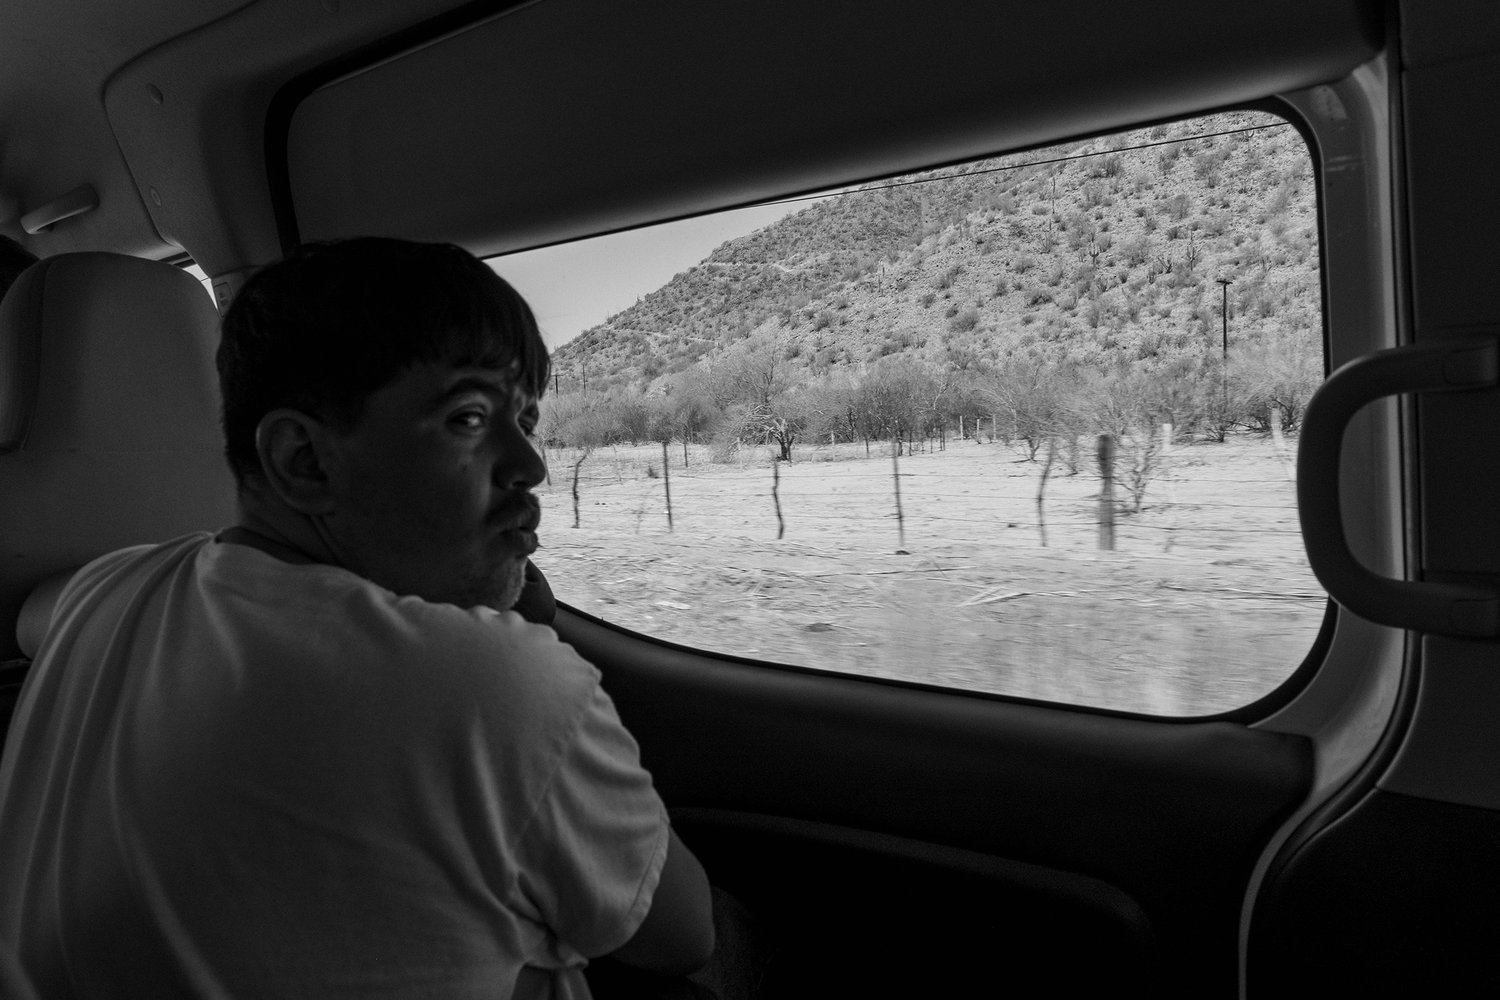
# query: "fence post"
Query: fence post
{"points": [[1288, 465], [666, 481], [1167, 434], [1107, 492], [896, 479], [575, 485], [776, 498], [1041, 490]]}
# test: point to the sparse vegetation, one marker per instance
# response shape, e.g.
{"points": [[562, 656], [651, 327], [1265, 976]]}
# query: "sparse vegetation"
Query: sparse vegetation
{"points": [[1104, 265]]}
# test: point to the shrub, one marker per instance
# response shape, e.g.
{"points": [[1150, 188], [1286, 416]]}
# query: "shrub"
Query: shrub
{"points": [[965, 321], [1093, 313]]}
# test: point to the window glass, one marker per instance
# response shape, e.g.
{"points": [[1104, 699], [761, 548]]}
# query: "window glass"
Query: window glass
{"points": [[1024, 425], [203, 279]]}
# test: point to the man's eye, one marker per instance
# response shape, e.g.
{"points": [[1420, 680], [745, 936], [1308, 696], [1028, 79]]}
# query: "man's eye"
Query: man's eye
{"points": [[469, 420]]}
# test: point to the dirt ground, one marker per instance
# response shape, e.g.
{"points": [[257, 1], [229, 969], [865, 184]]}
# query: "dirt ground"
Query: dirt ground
{"points": [[1205, 604]]}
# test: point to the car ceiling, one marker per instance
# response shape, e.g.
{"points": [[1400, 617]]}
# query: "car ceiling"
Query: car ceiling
{"points": [[59, 59], [161, 105], [55, 57], [717, 105]]}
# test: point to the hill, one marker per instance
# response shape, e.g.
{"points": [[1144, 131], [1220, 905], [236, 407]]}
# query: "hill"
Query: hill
{"points": [[1099, 255]]}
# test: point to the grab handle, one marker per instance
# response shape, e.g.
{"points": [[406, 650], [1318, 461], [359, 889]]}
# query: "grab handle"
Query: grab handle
{"points": [[76, 202], [1440, 608]]}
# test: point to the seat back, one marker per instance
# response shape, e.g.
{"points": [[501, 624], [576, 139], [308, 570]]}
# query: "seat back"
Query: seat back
{"points": [[109, 418]]}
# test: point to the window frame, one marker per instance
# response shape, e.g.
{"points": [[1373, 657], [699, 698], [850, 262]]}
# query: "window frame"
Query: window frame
{"points": [[1303, 114]]}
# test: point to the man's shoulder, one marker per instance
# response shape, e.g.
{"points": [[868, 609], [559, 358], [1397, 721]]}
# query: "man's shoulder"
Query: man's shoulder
{"points": [[134, 556], [307, 625], [483, 646], [435, 654], [474, 677], [102, 576]]}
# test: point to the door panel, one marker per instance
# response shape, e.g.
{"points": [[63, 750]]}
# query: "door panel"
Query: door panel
{"points": [[1390, 891], [881, 813], [1396, 898]]}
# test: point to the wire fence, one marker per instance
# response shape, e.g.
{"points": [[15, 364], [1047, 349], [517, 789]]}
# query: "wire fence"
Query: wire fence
{"points": [[1204, 603], [1232, 494]]}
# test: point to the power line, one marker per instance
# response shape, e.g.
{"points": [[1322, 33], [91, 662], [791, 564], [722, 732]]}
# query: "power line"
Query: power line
{"points": [[1017, 166]]}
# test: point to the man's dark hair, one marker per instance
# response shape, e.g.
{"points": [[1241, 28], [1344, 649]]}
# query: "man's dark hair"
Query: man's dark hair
{"points": [[14, 259], [334, 322]]}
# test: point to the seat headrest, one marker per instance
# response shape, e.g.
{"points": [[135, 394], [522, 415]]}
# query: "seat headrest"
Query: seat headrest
{"points": [[109, 417], [36, 611]]}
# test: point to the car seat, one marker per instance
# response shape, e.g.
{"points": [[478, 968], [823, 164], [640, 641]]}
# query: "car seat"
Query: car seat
{"points": [[109, 427]]}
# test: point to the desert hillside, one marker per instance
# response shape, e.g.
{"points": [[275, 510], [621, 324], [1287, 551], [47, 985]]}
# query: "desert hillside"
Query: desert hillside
{"points": [[1069, 289]]}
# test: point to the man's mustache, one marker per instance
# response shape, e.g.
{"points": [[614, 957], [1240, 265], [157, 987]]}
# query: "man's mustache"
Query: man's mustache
{"points": [[525, 511]]}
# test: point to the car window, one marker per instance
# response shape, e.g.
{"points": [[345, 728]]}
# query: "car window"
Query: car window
{"points": [[203, 279], [1023, 425]]}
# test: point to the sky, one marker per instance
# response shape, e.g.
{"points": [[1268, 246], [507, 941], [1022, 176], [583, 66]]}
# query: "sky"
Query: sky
{"points": [[574, 286]]}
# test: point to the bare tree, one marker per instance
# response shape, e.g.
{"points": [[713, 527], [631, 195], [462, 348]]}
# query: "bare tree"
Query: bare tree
{"points": [[1038, 395], [760, 374]]}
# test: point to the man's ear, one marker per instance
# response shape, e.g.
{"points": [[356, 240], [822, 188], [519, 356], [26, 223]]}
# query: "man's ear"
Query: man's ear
{"points": [[293, 449]]}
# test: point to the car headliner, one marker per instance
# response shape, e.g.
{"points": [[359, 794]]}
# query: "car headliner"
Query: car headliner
{"points": [[162, 105]]}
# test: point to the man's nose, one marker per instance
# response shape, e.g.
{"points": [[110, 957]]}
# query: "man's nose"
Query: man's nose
{"points": [[520, 463]]}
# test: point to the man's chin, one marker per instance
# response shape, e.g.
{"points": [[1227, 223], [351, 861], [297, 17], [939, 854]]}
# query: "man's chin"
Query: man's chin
{"points": [[506, 591]]}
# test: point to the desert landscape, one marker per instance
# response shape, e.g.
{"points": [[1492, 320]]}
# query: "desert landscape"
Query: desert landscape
{"points": [[1205, 603], [976, 319]]}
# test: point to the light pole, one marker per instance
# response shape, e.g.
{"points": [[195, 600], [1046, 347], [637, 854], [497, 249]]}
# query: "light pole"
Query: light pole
{"points": [[1224, 284]]}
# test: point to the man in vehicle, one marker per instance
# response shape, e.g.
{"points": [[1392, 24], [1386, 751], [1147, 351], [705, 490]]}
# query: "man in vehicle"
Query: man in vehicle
{"points": [[317, 754]]}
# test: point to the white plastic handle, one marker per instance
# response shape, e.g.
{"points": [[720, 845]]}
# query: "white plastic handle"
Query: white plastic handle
{"points": [[76, 202], [1470, 611]]}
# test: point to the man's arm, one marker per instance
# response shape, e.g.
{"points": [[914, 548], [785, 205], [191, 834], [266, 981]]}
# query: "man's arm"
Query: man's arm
{"points": [[677, 936]]}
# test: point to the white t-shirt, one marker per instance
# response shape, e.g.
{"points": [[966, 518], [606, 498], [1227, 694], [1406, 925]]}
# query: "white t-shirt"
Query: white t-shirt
{"points": [[232, 776]]}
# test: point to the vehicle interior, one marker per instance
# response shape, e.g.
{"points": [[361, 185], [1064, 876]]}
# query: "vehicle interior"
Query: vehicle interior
{"points": [[893, 837]]}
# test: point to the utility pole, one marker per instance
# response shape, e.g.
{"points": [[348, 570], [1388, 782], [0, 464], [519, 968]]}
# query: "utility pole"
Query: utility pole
{"points": [[1224, 284]]}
